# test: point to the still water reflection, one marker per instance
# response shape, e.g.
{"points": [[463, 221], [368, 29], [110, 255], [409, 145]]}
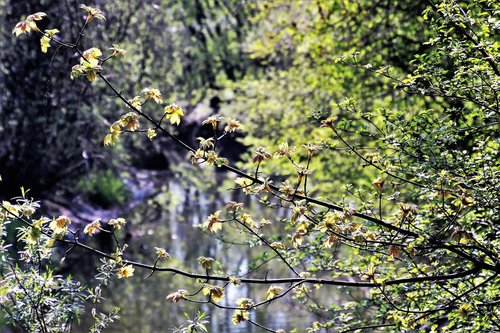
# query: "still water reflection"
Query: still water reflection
{"points": [[170, 220]]}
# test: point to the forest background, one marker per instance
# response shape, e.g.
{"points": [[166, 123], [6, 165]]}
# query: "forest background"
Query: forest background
{"points": [[393, 108]]}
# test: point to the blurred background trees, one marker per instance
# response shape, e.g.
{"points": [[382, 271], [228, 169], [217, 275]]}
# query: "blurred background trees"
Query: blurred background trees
{"points": [[188, 49]]}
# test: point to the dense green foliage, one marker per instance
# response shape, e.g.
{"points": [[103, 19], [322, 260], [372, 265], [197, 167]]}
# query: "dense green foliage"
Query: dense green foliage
{"points": [[372, 151], [104, 189]]}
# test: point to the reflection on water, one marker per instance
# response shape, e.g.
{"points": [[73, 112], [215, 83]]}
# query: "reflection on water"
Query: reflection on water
{"points": [[170, 220]]}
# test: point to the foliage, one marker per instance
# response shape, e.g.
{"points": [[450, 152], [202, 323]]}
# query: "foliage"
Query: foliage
{"points": [[50, 135], [305, 46], [104, 189], [197, 324], [44, 131], [411, 237], [32, 297]]}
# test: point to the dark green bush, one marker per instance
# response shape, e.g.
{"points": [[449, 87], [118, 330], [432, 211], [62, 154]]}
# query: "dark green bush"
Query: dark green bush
{"points": [[105, 189]]}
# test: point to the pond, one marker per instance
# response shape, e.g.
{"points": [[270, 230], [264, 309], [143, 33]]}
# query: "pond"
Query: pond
{"points": [[170, 218], [167, 211]]}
